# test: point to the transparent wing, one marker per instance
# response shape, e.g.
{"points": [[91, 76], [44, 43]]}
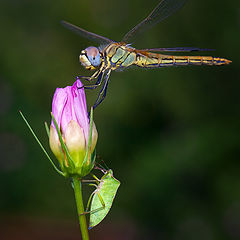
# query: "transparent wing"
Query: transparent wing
{"points": [[89, 35], [177, 49], [164, 9]]}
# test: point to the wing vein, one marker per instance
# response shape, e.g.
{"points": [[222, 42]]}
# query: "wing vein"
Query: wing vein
{"points": [[89, 35], [164, 9]]}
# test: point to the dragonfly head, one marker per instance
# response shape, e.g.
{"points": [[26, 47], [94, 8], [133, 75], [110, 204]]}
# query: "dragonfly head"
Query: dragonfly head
{"points": [[90, 58]]}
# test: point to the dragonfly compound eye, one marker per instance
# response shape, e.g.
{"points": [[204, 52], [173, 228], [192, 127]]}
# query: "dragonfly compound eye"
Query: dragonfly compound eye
{"points": [[90, 58], [93, 56]]}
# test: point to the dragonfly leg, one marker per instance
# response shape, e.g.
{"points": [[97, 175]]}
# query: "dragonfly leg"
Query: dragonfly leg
{"points": [[103, 92], [83, 78], [95, 75], [97, 83]]}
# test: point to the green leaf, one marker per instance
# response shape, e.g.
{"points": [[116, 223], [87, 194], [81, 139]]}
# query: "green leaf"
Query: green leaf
{"points": [[103, 198]]}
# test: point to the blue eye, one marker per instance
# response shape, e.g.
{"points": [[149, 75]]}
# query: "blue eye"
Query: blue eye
{"points": [[95, 60], [93, 56]]}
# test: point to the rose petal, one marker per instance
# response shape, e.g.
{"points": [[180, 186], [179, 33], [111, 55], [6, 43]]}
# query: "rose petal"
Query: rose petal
{"points": [[80, 107], [75, 141], [67, 114], [58, 103]]}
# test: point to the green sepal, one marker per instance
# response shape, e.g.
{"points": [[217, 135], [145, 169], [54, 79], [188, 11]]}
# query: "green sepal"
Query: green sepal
{"points": [[103, 198], [40, 144], [47, 129], [64, 147], [86, 168]]}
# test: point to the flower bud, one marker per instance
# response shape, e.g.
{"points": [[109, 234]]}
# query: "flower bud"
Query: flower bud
{"points": [[69, 110]]}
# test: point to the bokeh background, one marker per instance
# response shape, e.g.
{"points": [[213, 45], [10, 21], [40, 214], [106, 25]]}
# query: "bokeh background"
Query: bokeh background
{"points": [[171, 135]]}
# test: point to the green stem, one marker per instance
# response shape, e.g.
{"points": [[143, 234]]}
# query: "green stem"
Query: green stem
{"points": [[80, 208]]}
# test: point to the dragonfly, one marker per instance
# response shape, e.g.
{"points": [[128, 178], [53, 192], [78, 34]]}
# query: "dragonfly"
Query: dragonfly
{"points": [[112, 55]]}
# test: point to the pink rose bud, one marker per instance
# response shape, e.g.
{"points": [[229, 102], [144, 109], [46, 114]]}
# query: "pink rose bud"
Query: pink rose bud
{"points": [[70, 112]]}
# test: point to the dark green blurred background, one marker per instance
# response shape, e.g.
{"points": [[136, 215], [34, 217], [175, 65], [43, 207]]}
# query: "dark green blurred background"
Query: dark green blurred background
{"points": [[171, 135]]}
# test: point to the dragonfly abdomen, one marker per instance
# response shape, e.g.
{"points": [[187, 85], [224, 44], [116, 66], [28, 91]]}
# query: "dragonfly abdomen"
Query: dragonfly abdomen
{"points": [[153, 60], [118, 55]]}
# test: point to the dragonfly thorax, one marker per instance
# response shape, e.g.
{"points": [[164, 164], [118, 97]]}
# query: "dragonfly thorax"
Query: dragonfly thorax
{"points": [[90, 58]]}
